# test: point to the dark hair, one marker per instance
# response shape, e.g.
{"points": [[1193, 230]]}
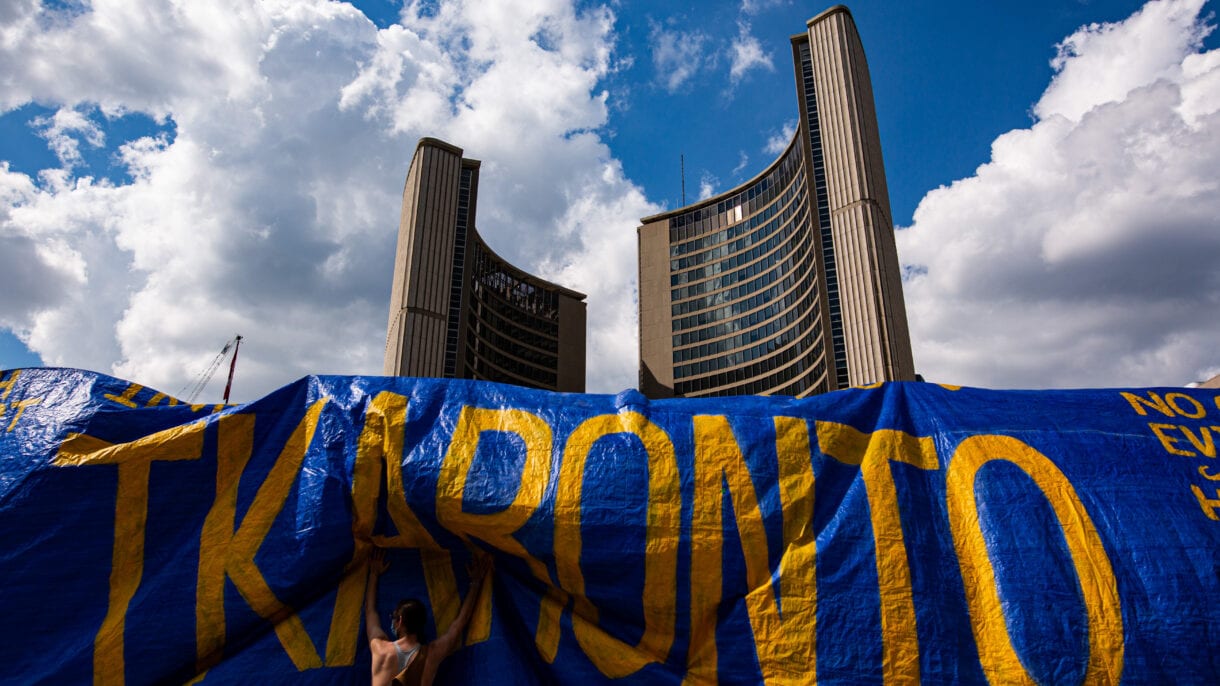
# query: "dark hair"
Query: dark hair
{"points": [[414, 617]]}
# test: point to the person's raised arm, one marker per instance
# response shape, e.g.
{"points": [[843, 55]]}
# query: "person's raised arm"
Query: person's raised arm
{"points": [[480, 569], [372, 623]]}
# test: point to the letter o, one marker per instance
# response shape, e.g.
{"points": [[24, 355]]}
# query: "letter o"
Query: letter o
{"points": [[1199, 412], [614, 658], [1093, 569], [496, 528]]}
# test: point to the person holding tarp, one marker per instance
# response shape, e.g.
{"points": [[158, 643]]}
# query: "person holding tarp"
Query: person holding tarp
{"points": [[407, 660]]}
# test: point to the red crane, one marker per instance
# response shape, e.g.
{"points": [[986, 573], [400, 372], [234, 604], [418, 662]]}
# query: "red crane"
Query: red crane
{"points": [[196, 387]]}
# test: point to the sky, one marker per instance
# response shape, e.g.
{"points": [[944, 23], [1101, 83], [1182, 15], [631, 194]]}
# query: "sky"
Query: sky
{"points": [[175, 173]]}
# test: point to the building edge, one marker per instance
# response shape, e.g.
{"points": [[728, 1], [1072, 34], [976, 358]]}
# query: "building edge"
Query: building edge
{"points": [[433, 329], [872, 327]]}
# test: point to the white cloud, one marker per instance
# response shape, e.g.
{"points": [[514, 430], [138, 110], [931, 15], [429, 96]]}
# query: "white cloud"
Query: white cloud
{"points": [[677, 56], [746, 53], [272, 211], [742, 160], [33, 274], [119, 55], [1084, 253], [778, 142], [756, 6], [1097, 64], [707, 185], [63, 132], [605, 215]]}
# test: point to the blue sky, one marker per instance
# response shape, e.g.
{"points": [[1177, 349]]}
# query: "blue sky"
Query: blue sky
{"points": [[174, 173], [948, 78]]}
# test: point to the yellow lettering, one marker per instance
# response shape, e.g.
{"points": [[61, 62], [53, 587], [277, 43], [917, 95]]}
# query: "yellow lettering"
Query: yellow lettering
{"points": [[1169, 406], [134, 460], [126, 397], [6, 386], [1197, 411], [1209, 505], [21, 405], [1206, 474], [1153, 401], [614, 658], [381, 443], [156, 400], [1204, 442], [1093, 570], [498, 528], [1167, 441], [235, 442], [874, 452], [224, 551], [785, 646]]}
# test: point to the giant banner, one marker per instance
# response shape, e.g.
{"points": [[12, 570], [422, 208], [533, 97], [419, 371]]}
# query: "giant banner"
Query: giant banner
{"points": [[884, 535]]}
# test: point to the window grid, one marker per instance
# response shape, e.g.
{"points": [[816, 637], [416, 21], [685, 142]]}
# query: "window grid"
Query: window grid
{"points": [[833, 308], [734, 381], [454, 315]]}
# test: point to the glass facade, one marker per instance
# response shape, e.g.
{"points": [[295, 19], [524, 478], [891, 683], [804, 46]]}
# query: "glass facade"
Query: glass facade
{"points": [[818, 160], [743, 278], [512, 323], [790, 283]]}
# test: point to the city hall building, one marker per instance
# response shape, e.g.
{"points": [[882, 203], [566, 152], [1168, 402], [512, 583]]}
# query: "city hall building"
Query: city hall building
{"points": [[459, 310], [788, 284]]}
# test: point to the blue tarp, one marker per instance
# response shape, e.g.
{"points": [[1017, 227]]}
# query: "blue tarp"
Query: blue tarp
{"points": [[869, 535]]}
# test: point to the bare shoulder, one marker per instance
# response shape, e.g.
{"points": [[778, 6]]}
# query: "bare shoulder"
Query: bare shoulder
{"points": [[384, 653], [380, 646], [385, 661]]}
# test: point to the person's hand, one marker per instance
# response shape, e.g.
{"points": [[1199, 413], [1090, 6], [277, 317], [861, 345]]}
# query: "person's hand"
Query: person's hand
{"points": [[479, 567], [377, 563]]}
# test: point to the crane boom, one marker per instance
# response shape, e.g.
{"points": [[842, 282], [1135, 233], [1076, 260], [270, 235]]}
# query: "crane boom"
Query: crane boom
{"points": [[192, 390], [232, 368]]}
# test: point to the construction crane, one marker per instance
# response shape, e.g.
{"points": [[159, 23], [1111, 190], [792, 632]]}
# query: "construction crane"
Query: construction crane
{"points": [[193, 389]]}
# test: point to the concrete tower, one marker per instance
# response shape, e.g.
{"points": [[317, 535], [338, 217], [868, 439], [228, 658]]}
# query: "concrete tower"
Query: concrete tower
{"points": [[789, 283], [459, 310]]}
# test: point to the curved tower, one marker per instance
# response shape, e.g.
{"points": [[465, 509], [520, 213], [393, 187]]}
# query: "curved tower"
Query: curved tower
{"points": [[459, 310], [788, 284]]}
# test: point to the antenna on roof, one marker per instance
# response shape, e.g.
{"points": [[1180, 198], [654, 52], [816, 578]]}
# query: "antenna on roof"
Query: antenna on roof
{"points": [[682, 165]]}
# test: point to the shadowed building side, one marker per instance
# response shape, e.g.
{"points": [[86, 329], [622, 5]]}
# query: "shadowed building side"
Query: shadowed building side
{"points": [[790, 283], [459, 310]]}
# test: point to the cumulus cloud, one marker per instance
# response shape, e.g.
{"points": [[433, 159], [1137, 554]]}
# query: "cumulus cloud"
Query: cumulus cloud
{"points": [[64, 132], [779, 141], [604, 268], [1084, 252], [272, 211], [33, 275], [746, 53], [677, 55], [1094, 66]]}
